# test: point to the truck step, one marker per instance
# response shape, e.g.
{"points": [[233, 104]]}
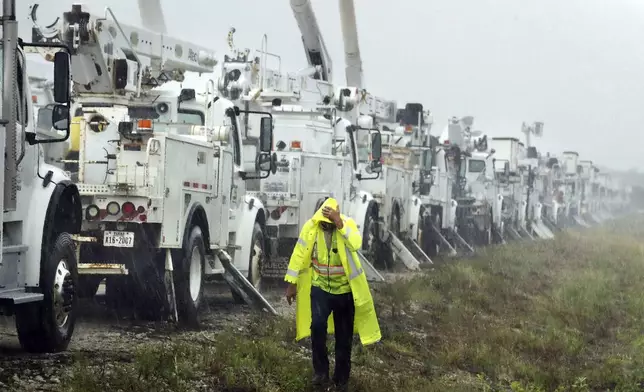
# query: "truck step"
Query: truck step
{"points": [[238, 282], [525, 232], [18, 297], [444, 242], [370, 271], [580, 221], [8, 249], [417, 251], [403, 253]]}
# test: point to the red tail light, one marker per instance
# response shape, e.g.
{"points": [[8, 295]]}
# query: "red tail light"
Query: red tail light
{"points": [[277, 213], [128, 208]]}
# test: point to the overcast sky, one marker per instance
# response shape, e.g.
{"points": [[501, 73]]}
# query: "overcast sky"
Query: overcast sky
{"points": [[576, 65]]}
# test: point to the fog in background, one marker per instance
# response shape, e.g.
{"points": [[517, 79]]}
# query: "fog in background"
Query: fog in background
{"points": [[576, 65]]}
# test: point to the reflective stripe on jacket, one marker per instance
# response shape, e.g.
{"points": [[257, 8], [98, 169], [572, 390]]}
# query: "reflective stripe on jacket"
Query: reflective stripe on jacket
{"points": [[300, 272], [326, 263]]}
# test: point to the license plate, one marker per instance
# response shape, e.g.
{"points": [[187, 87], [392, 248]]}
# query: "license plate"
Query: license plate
{"points": [[118, 239]]}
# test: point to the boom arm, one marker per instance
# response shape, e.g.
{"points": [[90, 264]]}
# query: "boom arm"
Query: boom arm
{"points": [[352, 58], [114, 58], [152, 16], [314, 47]]}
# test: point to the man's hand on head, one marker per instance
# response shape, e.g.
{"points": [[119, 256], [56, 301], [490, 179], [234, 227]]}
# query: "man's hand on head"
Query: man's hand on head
{"points": [[333, 216]]}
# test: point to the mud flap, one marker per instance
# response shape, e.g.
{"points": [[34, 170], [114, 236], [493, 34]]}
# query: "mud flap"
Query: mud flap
{"points": [[403, 253], [238, 282], [370, 271], [168, 282]]}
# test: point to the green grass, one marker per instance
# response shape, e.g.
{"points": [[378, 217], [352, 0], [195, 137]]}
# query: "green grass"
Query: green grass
{"points": [[562, 315]]}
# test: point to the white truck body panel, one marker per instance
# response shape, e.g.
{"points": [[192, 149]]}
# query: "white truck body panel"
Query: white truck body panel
{"points": [[570, 162], [506, 150]]}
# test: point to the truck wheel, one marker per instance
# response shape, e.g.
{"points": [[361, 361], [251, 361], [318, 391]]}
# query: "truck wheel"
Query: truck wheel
{"points": [[257, 257], [490, 235], [370, 240], [48, 326], [432, 243], [189, 277], [395, 223]]}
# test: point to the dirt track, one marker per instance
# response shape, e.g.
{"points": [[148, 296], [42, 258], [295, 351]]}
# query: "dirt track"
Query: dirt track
{"points": [[105, 336]]}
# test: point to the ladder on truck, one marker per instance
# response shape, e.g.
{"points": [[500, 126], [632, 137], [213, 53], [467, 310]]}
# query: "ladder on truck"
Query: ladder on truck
{"points": [[169, 58]]}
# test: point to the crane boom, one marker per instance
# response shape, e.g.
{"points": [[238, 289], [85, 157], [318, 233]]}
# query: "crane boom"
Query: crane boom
{"points": [[352, 58], [152, 16], [314, 46], [109, 57]]}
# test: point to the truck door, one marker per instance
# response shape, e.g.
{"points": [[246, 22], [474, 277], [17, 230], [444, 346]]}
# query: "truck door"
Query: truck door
{"points": [[238, 188]]}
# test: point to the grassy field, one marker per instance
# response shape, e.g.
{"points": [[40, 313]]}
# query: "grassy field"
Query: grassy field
{"points": [[563, 315]]}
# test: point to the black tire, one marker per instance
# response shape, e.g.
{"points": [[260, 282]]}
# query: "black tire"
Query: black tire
{"points": [[88, 286], [430, 241], [39, 325], [189, 297], [372, 247], [489, 240], [254, 264], [395, 222]]}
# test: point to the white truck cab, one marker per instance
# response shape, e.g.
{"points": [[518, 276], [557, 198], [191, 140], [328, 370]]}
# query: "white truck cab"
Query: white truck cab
{"points": [[41, 206]]}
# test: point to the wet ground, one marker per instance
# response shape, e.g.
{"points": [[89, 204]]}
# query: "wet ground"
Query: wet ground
{"points": [[112, 335], [104, 335]]}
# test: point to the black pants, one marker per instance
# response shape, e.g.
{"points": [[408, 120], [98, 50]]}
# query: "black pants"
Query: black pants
{"points": [[322, 304]]}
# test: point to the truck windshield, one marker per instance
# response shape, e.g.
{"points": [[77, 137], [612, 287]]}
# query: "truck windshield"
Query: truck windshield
{"points": [[476, 166]]}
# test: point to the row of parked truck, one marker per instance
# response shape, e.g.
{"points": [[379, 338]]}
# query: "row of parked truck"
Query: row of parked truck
{"points": [[118, 173]]}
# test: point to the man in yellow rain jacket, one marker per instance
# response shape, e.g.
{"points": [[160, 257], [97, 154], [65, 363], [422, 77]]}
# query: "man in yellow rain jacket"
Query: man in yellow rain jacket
{"points": [[331, 290]]}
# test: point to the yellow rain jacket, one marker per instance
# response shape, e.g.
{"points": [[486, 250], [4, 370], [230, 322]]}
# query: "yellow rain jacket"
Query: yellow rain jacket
{"points": [[299, 273]]}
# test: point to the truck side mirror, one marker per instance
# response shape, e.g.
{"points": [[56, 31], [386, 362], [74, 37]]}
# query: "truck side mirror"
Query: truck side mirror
{"points": [[266, 134], [60, 117], [376, 152], [61, 77]]}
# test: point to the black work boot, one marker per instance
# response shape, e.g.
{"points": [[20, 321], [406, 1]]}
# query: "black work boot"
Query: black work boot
{"points": [[320, 380], [342, 387]]}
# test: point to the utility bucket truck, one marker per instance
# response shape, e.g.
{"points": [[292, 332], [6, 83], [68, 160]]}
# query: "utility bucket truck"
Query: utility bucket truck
{"points": [[41, 206], [475, 190], [548, 168], [161, 173], [307, 169], [536, 185], [434, 186], [567, 184], [411, 147], [382, 202], [508, 157], [536, 181], [586, 173]]}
